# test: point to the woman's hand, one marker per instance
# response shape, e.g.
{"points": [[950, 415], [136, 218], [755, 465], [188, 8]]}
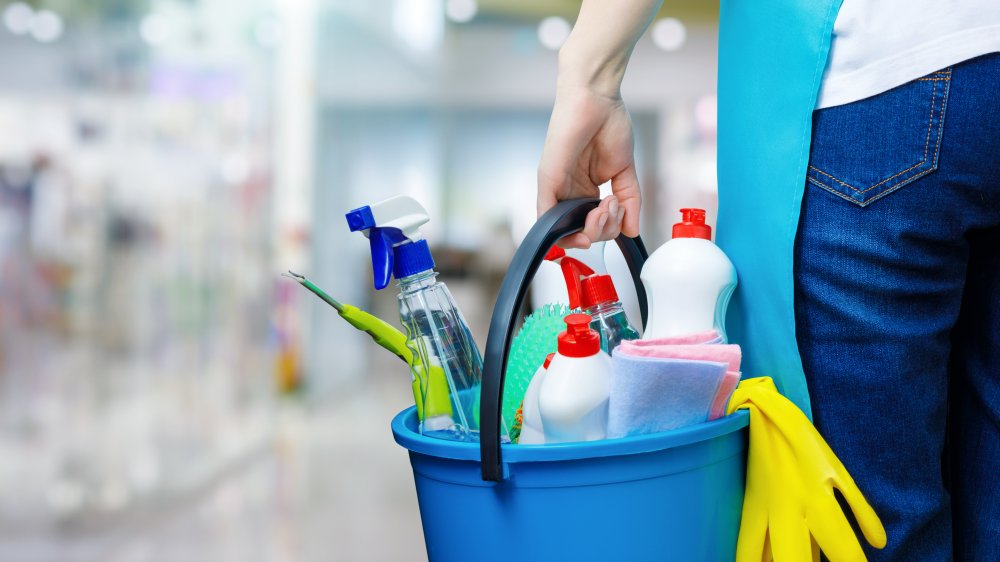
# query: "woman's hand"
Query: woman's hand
{"points": [[590, 134], [589, 142]]}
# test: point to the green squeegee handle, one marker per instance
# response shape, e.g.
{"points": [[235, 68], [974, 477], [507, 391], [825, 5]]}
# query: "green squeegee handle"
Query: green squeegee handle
{"points": [[385, 335], [565, 218]]}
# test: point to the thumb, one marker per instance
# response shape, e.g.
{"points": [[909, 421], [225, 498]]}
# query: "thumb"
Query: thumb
{"points": [[869, 522], [625, 187]]}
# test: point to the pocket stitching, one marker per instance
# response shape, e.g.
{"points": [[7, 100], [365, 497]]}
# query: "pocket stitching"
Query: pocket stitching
{"points": [[945, 76], [867, 202], [834, 191], [937, 152]]}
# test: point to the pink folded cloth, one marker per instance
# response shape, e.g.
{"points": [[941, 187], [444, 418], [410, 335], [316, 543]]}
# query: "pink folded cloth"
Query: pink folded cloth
{"points": [[696, 347], [718, 353], [710, 336], [721, 400]]}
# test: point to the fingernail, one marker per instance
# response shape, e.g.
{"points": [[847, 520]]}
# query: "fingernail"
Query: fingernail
{"points": [[613, 207], [621, 215], [603, 221]]}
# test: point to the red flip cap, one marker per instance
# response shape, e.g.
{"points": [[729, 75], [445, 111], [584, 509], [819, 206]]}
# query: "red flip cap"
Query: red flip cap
{"points": [[692, 225], [597, 289], [579, 340]]}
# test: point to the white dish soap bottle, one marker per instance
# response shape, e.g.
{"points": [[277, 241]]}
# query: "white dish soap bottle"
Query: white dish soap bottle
{"points": [[573, 397], [688, 282], [532, 432]]}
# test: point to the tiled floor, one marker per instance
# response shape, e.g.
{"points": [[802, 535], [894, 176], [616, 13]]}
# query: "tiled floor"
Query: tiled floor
{"points": [[181, 450], [331, 486], [328, 483]]}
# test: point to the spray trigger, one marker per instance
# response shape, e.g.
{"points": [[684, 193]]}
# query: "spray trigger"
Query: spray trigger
{"points": [[381, 243], [573, 271]]}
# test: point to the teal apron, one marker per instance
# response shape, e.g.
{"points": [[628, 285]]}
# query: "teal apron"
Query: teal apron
{"points": [[771, 60]]}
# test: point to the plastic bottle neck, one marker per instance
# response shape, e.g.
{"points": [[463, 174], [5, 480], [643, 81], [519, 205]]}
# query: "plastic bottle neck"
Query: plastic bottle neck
{"points": [[418, 281], [608, 308]]}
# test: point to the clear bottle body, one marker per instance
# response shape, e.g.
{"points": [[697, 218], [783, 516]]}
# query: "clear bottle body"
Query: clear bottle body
{"points": [[611, 322], [438, 333]]}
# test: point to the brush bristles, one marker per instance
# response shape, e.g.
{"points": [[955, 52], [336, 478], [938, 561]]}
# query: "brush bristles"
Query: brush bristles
{"points": [[535, 340]]}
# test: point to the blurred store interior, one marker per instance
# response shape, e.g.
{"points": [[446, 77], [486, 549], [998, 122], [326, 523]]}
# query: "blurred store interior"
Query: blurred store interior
{"points": [[164, 394]]}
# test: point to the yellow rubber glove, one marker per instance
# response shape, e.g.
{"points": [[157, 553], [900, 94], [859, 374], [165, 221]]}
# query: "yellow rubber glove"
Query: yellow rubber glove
{"points": [[790, 512]]}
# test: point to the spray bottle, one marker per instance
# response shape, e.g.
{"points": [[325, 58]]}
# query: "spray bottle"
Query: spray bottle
{"points": [[594, 294], [435, 329]]}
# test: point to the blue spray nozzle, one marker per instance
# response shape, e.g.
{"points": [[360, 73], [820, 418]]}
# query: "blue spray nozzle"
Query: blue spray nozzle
{"points": [[392, 227], [360, 219]]}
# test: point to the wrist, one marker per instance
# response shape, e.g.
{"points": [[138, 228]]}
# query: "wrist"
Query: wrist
{"points": [[599, 72]]}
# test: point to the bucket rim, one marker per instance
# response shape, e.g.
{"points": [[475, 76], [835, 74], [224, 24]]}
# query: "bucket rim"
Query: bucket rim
{"points": [[405, 433]]}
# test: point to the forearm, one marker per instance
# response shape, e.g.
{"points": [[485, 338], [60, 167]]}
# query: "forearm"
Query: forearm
{"points": [[598, 49]]}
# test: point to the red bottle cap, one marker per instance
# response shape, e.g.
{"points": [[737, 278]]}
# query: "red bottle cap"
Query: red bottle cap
{"points": [[597, 289], [579, 340], [692, 225], [548, 359]]}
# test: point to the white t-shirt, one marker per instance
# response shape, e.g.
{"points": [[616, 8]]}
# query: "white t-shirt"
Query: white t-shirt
{"points": [[881, 44]]}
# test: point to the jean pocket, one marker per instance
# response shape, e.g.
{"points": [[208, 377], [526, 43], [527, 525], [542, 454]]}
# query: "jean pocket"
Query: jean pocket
{"points": [[865, 150]]}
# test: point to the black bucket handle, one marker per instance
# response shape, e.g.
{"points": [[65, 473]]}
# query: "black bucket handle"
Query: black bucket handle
{"points": [[565, 218]]}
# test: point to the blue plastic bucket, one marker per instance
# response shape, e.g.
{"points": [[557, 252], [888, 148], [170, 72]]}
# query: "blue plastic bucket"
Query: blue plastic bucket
{"points": [[670, 496]]}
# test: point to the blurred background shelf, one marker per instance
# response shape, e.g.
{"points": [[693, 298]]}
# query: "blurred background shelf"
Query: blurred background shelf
{"points": [[164, 394]]}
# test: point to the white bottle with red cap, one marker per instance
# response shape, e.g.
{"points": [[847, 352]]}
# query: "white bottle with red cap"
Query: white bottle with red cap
{"points": [[573, 397], [688, 282], [532, 428]]}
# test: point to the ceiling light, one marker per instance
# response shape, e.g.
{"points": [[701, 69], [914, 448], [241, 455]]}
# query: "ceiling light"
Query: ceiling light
{"points": [[553, 32], [461, 11], [17, 18], [669, 34], [46, 26], [418, 23]]}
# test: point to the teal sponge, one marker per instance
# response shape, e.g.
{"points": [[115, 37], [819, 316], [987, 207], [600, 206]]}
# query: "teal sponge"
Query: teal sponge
{"points": [[537, 338]]}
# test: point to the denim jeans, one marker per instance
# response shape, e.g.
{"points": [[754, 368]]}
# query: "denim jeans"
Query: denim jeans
{"points": [[897, 305]]}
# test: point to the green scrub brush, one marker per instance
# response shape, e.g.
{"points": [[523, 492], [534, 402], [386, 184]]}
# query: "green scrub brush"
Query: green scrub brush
{"points": [[537, 338]]}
